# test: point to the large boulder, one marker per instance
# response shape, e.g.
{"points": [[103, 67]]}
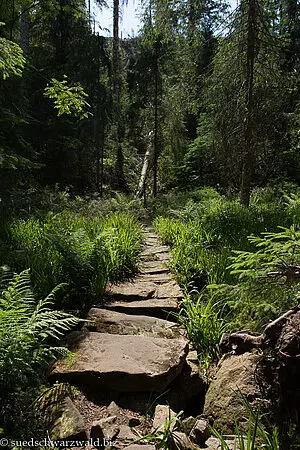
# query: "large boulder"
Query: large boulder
{"points": [[107, 321], [122, 363], [222, 402]]}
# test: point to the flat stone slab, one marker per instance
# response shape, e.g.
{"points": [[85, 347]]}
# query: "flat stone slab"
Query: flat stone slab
{"points": [[155, 249], [122, 363], [130, 291], [163, 258], [153, 267], [169, 290], [161, 308], [144, 289], [157, 278], [107, 321], [150, 241]]}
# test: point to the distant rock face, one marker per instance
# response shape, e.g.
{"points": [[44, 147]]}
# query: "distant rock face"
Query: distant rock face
{"points": [[122, 363], [69, 424], [222, 403], [106, 321]]}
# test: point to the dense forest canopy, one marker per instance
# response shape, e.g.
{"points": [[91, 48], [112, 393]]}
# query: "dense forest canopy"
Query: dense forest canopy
{"points": [[205, 95]]}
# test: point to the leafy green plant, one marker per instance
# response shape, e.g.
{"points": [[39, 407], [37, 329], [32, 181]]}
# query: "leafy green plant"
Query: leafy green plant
{"points": [[12, 61], [273, 250], [265, 285], [67, 99], [28, 330]]}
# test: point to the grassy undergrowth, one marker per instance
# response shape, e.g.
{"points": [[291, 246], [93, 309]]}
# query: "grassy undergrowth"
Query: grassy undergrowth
{"points": [[85, 253], [221, 254]]}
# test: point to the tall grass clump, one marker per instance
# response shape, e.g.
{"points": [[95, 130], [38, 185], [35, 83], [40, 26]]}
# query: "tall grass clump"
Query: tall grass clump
{"points": [[28, 332], [83, 252], [198, 257], [204, 322]]}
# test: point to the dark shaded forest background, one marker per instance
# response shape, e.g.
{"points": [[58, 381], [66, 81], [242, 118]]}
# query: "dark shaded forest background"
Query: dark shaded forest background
{"points": [[194, 123], [211, 93]]}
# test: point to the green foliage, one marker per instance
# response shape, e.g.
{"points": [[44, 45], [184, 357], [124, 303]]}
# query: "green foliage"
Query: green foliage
{"points": [[74, 249], [197, 256], [204, 322], [215, 247], [272, 250], [12, 61], [262, 288], [27, 331], [67, 99]]}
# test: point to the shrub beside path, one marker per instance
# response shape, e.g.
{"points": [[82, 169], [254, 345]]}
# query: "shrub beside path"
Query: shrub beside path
{"points": [[130, 352]]}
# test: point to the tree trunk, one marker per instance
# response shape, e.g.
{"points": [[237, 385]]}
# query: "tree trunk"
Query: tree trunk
{"points": [[119, 181], [141, 185], [24, 29], [155, 146], [116, 43], [249, 150], [12, 19]]}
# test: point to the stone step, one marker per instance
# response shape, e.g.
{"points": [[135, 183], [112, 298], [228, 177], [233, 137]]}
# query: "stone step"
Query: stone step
{"points": [[153, 267], [157, 278], [144, 289], [160, 308], [108, 321], [163, 258], [111, 362], [154, 250]]}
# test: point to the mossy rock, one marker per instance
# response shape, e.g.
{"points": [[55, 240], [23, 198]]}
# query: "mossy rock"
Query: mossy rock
{"points": [[223, 403]]}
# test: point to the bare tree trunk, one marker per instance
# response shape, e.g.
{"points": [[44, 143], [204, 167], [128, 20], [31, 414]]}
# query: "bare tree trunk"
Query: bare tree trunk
{"points": [[249, 156], [141, 185]]}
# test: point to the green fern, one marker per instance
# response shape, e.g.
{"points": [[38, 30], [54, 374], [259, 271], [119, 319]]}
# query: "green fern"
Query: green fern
{"points": [[27, 331]]}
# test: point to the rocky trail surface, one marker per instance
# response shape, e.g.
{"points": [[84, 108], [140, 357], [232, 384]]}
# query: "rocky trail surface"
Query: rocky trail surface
{"points": [[133, 366]]}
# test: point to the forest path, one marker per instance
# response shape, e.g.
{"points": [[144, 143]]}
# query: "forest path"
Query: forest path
{"points": [[132, 347]]}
